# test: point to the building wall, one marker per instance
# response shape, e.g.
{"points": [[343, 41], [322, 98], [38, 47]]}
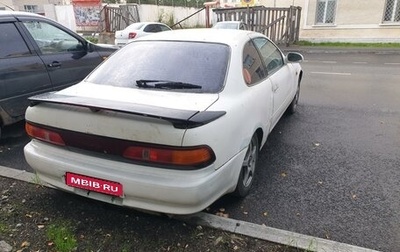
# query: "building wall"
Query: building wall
{"points": [[282, 3], [7, 5], [357, 12], [355, 21], [19, 5], [65, 15]]}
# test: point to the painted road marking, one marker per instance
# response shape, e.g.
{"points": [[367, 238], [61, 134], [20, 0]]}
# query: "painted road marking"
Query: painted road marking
{"points": [[332, 73]]}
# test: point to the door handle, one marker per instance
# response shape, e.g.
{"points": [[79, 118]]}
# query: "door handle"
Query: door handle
{"points": [[54, 64]]}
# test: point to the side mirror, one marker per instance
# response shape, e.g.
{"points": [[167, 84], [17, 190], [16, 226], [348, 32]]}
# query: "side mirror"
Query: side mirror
{"points": [[294, 57], [89, 46]]}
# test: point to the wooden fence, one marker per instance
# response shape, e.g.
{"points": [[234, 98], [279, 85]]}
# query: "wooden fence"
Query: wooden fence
{"points": [[281, 25], [117, 18]]}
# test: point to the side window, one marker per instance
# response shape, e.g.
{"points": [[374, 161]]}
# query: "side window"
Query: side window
{"points": [[253, 68], [51, 39], [17, 47], [164, 28], [270, 54], [152, 28]]}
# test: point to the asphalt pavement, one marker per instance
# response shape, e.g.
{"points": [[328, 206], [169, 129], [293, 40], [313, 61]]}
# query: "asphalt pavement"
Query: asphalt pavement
{"points": [[255, 231]]}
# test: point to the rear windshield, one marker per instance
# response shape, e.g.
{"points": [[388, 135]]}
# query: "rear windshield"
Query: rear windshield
{"points": [[202, 64]]}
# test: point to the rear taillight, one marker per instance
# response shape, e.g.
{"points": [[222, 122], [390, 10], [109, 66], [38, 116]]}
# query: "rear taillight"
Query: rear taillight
{"points": [[170, 157], [132, 35], [200, 156], [44, 134]]}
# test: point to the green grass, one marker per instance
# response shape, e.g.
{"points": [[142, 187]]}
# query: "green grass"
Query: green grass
{"points": [[62, 235], [92, 39], [36, 180], [3, 228], [347, 44]]}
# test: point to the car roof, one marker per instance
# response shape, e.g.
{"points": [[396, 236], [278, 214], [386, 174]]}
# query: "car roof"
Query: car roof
{"points": [[229, 37], [148, 22], [142, 24]]}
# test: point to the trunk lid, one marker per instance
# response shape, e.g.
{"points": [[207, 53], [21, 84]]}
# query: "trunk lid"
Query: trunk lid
{"points": [[159, 117]]}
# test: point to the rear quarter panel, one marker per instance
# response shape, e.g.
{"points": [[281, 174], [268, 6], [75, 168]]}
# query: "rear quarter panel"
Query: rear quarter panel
{"points": [[248, 108]]}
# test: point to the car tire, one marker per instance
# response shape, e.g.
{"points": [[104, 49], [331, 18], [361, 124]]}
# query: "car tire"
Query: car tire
{"points": [[247, 172], [293, 105]]}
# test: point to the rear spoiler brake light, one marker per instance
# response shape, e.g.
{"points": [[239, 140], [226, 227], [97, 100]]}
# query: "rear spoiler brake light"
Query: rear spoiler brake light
{"points": [[180, 118]]}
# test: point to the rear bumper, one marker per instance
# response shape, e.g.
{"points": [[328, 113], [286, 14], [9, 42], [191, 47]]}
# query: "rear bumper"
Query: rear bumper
{"points": [[148, 188]]}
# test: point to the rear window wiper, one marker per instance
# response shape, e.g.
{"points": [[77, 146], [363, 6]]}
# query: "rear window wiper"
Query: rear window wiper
{"points": [[161, 84]]}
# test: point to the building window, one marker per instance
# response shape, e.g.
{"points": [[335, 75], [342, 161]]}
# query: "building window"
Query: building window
{"points": [[31, 8], [392, 11], [326, 10]]}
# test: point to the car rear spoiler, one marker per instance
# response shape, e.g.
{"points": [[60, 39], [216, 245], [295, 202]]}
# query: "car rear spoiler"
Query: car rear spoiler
{"points": [[180, 119]]}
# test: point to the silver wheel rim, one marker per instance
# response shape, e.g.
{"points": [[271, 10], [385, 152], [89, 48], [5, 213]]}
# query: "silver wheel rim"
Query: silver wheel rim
{"points": [[249, 163]]}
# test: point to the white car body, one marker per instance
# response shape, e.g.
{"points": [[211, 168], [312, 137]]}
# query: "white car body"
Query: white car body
{"points": [[232, 118], [137, 30]]}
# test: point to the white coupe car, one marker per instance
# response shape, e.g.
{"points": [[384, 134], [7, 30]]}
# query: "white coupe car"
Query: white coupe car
{"points": [[137, 30], [171, 131]]}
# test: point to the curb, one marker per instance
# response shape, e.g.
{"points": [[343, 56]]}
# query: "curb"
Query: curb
{"points": [[288, 238]]}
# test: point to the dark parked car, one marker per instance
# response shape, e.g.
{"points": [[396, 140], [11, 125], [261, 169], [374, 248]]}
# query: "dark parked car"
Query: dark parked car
{"points": [[38, 55]]}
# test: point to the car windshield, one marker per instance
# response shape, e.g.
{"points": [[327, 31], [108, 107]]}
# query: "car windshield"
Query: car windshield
{"points": [[166, 65]]}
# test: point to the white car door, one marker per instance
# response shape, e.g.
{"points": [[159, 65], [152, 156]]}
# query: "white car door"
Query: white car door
{"points": [[281, 87], [260, 90], [279, 74]]}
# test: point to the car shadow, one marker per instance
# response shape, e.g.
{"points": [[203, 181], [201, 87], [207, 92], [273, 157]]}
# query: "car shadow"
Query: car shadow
{"points": [[14, 133]]}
